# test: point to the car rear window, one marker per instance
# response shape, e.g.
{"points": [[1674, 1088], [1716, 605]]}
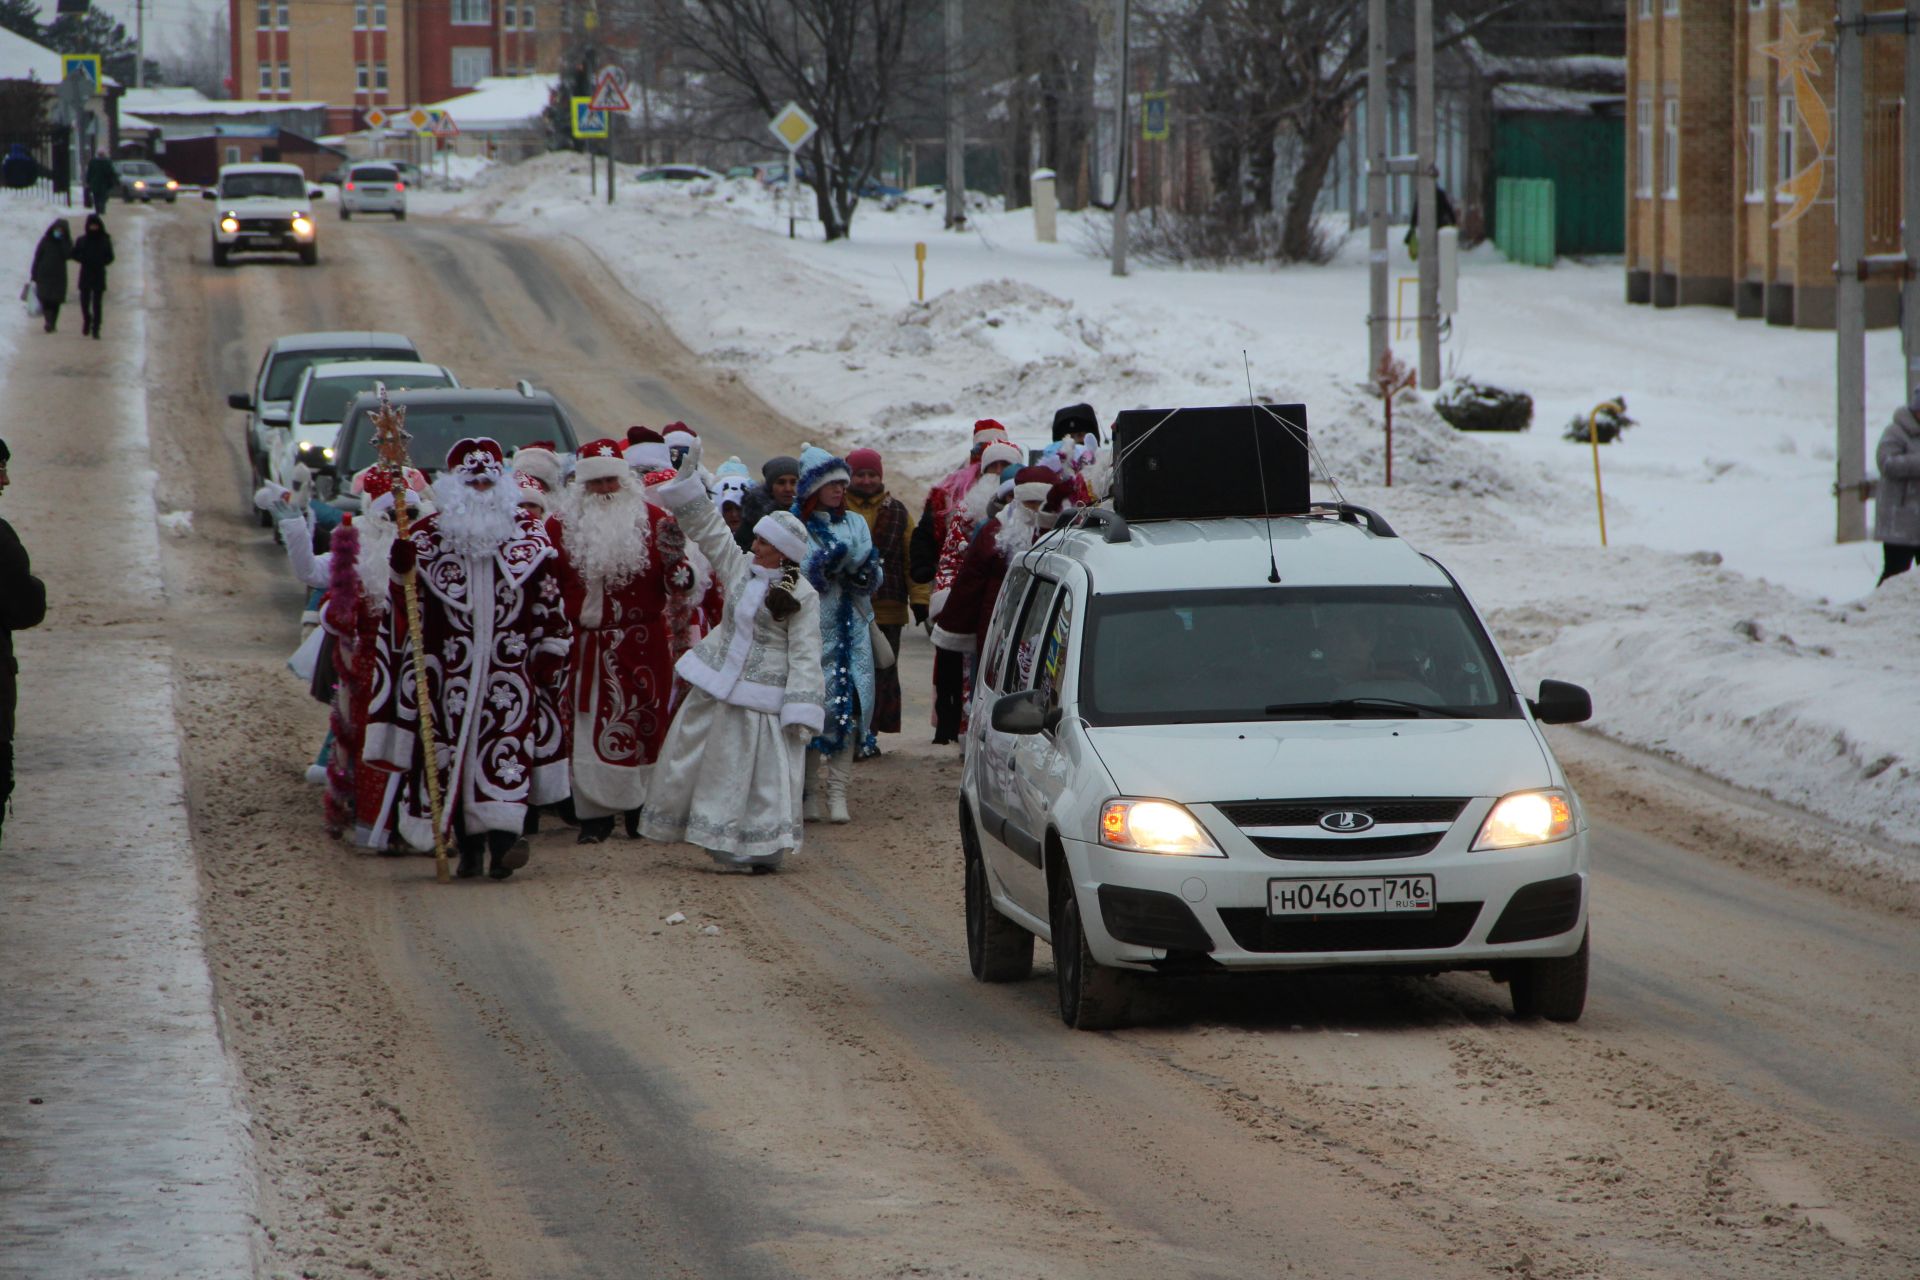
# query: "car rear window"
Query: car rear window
{"points": [[328, 398], [434, 429], [1288, 653], [375, 173], [283, 376]]}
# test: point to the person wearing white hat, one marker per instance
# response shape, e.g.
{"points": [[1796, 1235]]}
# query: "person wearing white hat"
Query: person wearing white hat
{"points": [[730, 777]]}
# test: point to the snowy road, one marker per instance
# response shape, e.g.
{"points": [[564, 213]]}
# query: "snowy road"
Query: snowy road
{"points": [[544, 1079]]}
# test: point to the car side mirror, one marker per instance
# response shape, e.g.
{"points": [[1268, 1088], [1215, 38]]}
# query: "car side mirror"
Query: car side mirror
{"points": [[1020, 714], [1561, 703], [209, 193], [240, 400]]}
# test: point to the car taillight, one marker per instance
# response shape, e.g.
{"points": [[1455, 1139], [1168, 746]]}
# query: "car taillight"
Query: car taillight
{"points": [[399, 186], [349, 186]]}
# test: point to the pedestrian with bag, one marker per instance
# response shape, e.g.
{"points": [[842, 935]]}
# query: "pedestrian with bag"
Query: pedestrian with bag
{"points": [[23, 604], [1896, 507], [94, 252], [50, 272]]}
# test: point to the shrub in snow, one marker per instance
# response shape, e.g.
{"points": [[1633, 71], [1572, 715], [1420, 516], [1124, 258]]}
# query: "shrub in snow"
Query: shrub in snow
{"points": [[1477, 406], [1607, 425]]}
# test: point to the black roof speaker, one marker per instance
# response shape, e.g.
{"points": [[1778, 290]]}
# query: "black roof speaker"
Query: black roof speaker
{"points": [[1211, 463]]}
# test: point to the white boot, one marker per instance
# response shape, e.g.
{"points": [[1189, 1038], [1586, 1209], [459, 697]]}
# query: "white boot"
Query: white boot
{"points": [[838, 769], [813, 804]]}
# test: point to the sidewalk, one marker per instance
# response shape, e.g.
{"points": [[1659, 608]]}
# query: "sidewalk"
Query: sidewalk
{"points": [[123, 1147]]}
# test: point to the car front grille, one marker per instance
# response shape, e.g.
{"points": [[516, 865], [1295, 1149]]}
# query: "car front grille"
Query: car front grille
{"points": [[266, 226], [1291, 830], [1307, 813], [1347, 848], [1254, 930]]}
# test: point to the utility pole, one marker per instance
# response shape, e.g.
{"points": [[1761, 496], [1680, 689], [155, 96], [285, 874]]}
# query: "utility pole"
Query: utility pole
{"points": [[1850, 371], [1428, 232], [140, 44], [1123, 125], [1376, 184], [956, 127], [1910, 207]]}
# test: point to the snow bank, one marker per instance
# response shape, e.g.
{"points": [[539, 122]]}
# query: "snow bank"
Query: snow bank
{"points": [[1718, 506]]}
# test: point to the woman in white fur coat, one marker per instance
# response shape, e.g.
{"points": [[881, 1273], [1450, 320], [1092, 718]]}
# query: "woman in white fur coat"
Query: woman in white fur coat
{"points": [[730, 774]]}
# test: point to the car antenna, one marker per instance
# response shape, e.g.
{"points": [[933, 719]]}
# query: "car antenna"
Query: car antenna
{"points": [[1260, 464]]}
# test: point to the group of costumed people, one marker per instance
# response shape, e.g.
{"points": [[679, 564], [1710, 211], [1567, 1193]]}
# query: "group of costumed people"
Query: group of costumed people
{"points": [[626, 637]]}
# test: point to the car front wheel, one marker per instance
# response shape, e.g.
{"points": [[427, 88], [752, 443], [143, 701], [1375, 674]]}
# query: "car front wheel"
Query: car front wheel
{"points": [[310, 255], [1554, 988], [219, 254], [1092, 997], [998, 950]]}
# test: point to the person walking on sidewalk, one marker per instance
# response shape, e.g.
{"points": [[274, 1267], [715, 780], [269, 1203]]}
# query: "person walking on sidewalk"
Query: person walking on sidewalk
{"points": [[1896, 508], [23, 604], [102, 179], [93, 251], [50, 271], [730, 772]]}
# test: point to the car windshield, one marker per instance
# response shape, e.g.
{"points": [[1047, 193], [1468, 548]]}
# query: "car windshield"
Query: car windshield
{"points": [[1289, 653], [433, 429], [137, 168], [274, 186], [283, 376], [327, 398], [380, 174]]}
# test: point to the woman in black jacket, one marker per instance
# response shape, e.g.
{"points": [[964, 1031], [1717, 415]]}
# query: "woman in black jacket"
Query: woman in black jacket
{"points": [[50, 270], [93, 251]]}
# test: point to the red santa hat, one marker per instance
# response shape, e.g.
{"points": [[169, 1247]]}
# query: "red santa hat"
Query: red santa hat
{"points": [[477, 458], [986, 431], [1000, 451], [647, 449], [600, 460], [679, 435], [1033, 484], [532, 492]]}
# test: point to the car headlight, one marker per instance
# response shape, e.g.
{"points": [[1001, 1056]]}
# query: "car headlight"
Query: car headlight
{"points": [[327, 453], [302, 225], [229, 224], [1526, 818], [1155, 826], [139, 182], [172, 185]]}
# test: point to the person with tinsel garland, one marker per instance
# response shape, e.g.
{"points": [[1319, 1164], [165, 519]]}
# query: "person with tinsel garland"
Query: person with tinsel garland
{"points": [[780, 475], [928, 551], [844, 568], [1076, 444], [653, 461], [730, 776], [493, 629], [1003, 539], [953, 663], [892, 528], [622, 577]]}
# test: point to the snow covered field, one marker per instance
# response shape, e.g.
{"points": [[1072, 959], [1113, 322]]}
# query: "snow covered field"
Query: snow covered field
{"points": [[1722, 627]]}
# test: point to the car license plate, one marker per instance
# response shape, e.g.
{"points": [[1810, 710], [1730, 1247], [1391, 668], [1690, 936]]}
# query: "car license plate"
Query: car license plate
{"points": [[1350, 896]]}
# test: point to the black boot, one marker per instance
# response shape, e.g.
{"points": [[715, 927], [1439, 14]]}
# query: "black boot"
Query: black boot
{"points": [[594, 830], [531, 827], [473, 852], [633, 824], [510, 853]]}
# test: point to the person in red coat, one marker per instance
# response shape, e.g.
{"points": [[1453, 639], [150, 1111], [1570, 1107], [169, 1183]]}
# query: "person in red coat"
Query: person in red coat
{"points": [[625, 578], [963, 620]]}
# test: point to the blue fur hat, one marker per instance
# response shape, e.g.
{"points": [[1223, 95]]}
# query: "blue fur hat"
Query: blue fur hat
{"points": [[817, 468]]}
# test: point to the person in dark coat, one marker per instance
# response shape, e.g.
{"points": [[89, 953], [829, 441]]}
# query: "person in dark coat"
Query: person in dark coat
{"points": [[1896, 505], [19, 170], [780, 480], [93, 251], [23, 604], [50, 271], [102, 180]]}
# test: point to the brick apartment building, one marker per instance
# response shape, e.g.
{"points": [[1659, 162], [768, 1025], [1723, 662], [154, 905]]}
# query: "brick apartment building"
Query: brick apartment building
{"points": [[1730, 157], [359, 54]]}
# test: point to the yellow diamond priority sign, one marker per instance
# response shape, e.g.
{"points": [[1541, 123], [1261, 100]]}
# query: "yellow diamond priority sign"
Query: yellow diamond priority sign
{"points": [[793, 126]]}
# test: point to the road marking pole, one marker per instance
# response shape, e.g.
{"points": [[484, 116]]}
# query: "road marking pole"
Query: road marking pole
{"points": [[1593, 442], [920, 264]]}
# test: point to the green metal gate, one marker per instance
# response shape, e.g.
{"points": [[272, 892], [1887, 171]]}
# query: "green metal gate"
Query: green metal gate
{"points": [[1586, 157]]}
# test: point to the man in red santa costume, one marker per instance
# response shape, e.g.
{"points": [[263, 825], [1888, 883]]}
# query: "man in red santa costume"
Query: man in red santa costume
{"points": [[952, 660], [552, 742], [493, 630], [653, 456], [622, 583], [962, 624]]}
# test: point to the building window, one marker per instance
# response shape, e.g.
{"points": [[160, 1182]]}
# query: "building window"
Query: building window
{"points": [[1783, 145], [233, 155], [470, 66], [280, 14], [526, 17], [266, 77], [472, 12], [379, 15], [362, 77], [359, 15], [1670, 6], [380, 77], [1756, 4], [1756, 150], [286, 77], [1646, 8], [509, 16], [263, 15], [1670, 149], [1643, 148]]}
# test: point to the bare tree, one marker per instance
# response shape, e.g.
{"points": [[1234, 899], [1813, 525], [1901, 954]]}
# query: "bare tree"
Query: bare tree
{"points": [[198, 55], [850, 64]]}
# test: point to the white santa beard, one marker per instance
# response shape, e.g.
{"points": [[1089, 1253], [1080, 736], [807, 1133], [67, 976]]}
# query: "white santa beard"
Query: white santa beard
{"points": [[1018, 528], [605, 538], [979, 499], [377, 536], [475, 522]]}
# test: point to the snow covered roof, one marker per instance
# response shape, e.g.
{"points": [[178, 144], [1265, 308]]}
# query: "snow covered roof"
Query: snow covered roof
{"points": [[208, 107], [143, 101], [1546, 97], [499, 103], [22, 59], [129, 121]]}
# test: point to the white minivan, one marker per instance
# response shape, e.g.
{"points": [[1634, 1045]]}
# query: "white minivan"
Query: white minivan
{"points": [[373, 186], [1177, 764]]}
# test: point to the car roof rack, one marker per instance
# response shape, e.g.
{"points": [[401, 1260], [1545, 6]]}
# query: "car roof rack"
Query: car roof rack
{"points": [[1349, 513], [1112, 525]]}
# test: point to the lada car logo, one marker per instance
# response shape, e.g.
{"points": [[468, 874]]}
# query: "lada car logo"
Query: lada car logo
{"points": [[1346, 821]]}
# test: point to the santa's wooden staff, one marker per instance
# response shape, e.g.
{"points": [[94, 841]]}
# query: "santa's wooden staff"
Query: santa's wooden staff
{"points": [[390, 440]]}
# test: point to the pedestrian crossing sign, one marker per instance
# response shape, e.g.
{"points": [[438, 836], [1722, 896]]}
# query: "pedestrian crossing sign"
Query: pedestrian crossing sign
{"points": [[588, 123], [87, 64]]}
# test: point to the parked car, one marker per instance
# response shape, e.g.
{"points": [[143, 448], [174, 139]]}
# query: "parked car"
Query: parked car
{"points": [[264, 208], [268, 404], [322, 398], [373, 186], [1180, 760], [437, 419], [676, 173], [145, 181]]}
